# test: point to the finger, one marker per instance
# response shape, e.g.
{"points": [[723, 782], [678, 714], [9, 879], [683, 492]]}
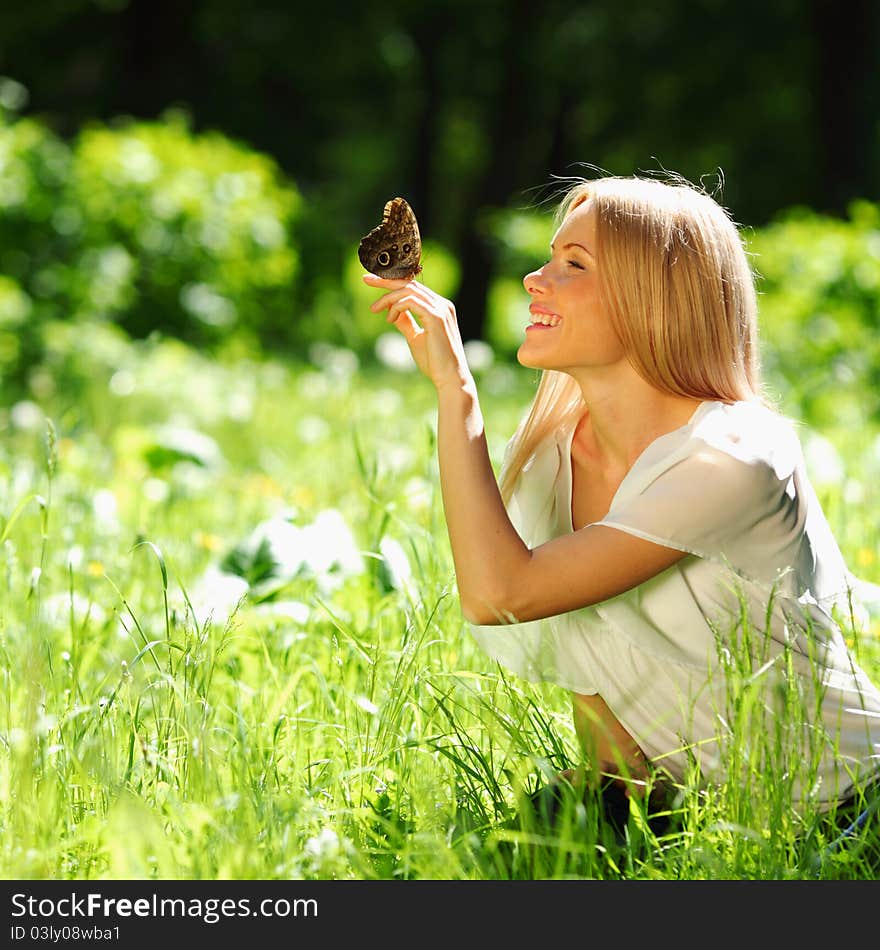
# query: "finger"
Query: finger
{"points": [[406, 323], [418, 294], [375, 281], [404, 305], [387, 299]]}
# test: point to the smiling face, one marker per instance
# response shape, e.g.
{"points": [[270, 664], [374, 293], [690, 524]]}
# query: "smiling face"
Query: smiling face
{"points": [[569, 328]]}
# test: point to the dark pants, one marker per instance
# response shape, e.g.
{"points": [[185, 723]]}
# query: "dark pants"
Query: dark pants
{"points": [[854, 826], [547, 807]]}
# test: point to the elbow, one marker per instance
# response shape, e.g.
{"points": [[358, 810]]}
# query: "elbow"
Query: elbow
{"points": [[496, 598], [472, 614], [486, 610]]}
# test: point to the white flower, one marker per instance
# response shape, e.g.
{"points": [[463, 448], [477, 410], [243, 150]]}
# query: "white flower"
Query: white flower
{"points": [[240, 406], [27, 415], [58, 610], [184, 443], [338, 362], [367, 705], [392, 351], [282, 541], [216, 595], [294, 610], [823, 461], [325, 550], [396, 564], [156, 489], [418, 493], [479, 354], [387, 402], [122, 383], [330, 551], [313, 429], [207, 305], [398, 458], [326, 849], [106, 511]]}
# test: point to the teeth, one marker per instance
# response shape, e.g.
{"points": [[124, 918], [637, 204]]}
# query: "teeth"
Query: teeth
{"points": [[546, 319]]}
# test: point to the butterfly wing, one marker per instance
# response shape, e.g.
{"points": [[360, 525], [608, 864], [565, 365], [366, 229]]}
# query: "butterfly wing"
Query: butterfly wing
{"points": [[394, 248]]}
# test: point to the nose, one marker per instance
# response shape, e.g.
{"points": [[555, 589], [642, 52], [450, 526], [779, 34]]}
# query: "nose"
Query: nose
{"points": [[534, 282]]}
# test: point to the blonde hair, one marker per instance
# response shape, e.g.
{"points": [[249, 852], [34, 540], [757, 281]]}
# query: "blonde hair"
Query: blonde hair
{"points": [[676, 283]]}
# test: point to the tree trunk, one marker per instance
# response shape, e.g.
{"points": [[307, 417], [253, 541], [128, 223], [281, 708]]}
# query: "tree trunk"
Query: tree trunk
{"points": [[159, 58], [846, 93], [508, 120]]}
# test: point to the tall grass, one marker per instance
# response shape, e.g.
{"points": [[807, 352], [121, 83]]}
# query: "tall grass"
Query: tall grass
{"points": [[158, 721]]}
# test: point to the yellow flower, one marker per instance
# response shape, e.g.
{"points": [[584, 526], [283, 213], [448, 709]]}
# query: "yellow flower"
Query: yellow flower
{"points": [[210, 542], [303, 495], [263, 485]]}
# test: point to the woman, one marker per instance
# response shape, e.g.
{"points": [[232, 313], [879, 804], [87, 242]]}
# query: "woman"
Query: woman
{"points": [[655, 534]]}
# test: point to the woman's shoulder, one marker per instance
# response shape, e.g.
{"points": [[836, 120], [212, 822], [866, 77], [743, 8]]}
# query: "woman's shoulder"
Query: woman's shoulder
{"points": [[734, 456], [747, 431], [718, 485]]}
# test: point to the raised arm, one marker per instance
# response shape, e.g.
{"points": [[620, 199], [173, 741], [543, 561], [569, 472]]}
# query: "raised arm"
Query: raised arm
{"points": [[499, 578]]}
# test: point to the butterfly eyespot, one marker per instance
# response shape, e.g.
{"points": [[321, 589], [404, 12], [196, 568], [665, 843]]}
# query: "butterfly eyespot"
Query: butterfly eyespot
{"points": [[394, 247]]}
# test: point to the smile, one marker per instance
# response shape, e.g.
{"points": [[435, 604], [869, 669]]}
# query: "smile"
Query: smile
{"points": [[542, 321], [539, 319]]}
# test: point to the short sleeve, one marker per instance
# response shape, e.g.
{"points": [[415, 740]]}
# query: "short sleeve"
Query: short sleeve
{"points": [[715, 506], [736, 492]]}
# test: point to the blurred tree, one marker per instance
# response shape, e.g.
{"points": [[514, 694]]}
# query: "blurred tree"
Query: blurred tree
{"points": [[467, 106], [145, 225], [844, 79]]}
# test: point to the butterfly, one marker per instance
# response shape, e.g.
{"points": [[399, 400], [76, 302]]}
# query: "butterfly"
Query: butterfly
{"points": [[395, 247]]}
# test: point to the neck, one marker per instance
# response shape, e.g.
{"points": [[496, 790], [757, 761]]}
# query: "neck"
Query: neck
{"points": [[621, 421]]}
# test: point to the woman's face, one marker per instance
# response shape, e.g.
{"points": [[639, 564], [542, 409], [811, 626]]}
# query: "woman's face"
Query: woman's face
{"points": [[569, 328]]}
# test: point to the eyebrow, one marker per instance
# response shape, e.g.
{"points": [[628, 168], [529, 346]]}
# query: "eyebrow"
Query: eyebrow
{"points": [[575, 244]]}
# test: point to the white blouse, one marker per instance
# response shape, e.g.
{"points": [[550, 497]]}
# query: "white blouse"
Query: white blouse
{"points": [[730, 488]]}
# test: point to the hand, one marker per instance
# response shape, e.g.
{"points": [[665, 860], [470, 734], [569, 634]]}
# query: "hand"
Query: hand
{"points": [[436, 345]]}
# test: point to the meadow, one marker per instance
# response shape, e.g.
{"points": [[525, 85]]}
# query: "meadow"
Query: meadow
{"points": [[231, 648]]}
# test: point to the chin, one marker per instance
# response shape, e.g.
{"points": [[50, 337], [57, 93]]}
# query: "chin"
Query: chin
{"points": [[523, 358], [530, 361]]}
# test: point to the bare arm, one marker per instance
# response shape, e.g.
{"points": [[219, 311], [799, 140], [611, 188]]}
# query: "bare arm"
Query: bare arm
{"points": [[499, 578], [486, 548]]}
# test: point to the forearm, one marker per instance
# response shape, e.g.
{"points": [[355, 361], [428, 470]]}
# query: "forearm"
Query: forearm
{"points": [[486, 549]]}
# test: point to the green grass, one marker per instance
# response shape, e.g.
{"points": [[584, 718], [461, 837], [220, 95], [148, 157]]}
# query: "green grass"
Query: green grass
{"points": [[339, 722]]}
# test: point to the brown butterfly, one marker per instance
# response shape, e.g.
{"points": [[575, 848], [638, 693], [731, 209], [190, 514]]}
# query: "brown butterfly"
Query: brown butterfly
{"points": [[394, 248]]}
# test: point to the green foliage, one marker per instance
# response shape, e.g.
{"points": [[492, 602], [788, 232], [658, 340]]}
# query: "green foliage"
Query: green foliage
{"points": [[523, 239], [146, 225], [34, 168], [16, 325], [819, 311], [195, 690], [149, 227], [187, 234], [464, 122]]}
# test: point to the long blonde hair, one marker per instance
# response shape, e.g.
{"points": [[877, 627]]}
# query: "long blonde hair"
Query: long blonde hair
{"points": [[676, 283]]}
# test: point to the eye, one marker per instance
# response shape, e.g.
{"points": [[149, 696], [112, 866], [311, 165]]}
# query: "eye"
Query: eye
{"points": [[384, 259], [575, 265]]}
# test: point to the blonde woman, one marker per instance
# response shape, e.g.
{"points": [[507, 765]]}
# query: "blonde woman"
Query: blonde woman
{"points": [[653, 506]]}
